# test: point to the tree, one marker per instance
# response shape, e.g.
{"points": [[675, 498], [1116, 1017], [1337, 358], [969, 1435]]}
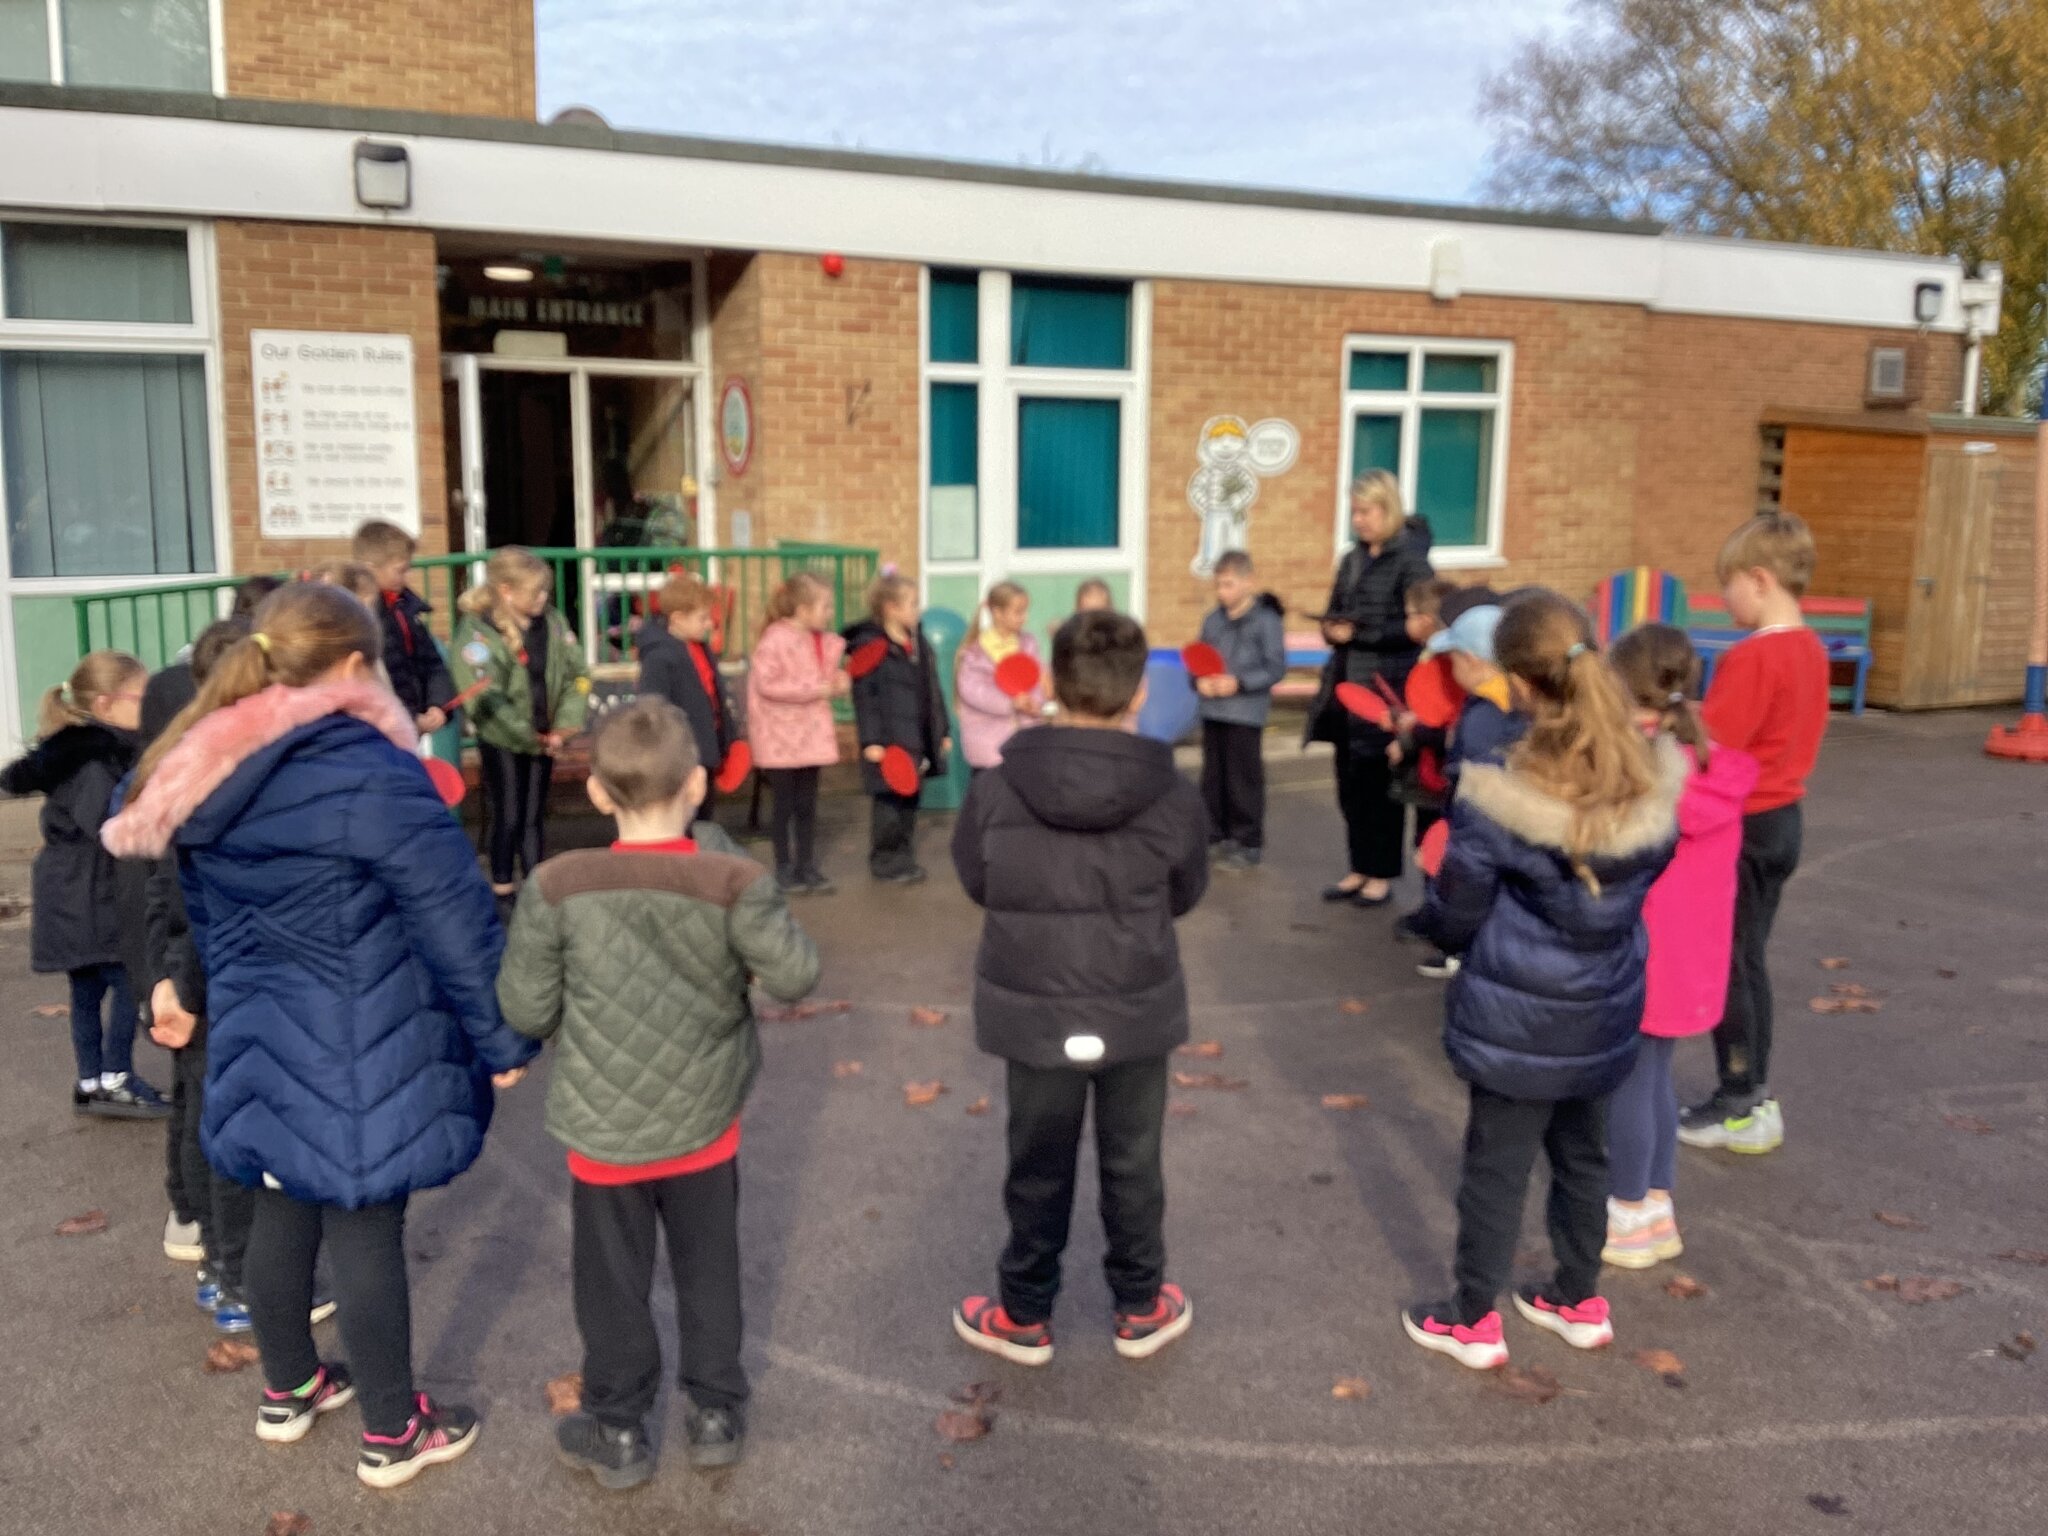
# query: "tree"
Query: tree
{"points": [[1909, 125]]}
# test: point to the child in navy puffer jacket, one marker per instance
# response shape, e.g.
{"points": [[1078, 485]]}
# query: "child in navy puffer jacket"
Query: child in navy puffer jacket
{"points": [[1542, 889]]}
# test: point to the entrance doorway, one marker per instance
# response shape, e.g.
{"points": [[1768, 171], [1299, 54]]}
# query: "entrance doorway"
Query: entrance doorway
{"points": [[529, 460]]}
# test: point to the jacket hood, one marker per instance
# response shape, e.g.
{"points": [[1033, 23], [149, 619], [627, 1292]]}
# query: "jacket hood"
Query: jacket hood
{"points": [[860, 631], [1414, 533], [654, 634], [63, 752], [1535, 815], [1086, 780], [212, 752]]}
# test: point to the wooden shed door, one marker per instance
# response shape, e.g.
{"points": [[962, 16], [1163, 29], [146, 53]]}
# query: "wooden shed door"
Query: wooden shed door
{"points": [[1952, 576]]}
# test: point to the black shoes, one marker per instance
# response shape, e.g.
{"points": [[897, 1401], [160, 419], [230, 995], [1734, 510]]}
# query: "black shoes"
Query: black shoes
{"points": [[129, 1099], [618, 1458], [717, 1436]]}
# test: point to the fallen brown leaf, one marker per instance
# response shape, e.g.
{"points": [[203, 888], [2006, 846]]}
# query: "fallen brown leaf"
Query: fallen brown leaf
{"points": [[1846, 1005], [287, 1522], [1828, 1503], [565, 1394], [1181, 1109], [52, 1011], [1946, 973], [1969, 1123], [1685, 1288], [1899, 1222], [847, 1069], [979, 1107], [1916, 1290], [977, 1394], [1207, 1080], [1663, 1363], [1346, 1101], [814, 1008], [928, 1018], [224, 1356], [2018, 1347], [917, 1095], [2023, 1256], [1851, 989], [1351, 1389], [1355, 1005], [946, 1462], [83, 1226], [962, 1424], [1535, 1385], [1208, 1050], [1835, 963]]}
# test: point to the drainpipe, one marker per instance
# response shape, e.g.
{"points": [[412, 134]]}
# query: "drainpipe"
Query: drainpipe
{"points": [[1980, 294]]}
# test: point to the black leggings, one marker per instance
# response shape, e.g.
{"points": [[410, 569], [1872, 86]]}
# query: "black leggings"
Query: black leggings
{"points": [[795, 819], [220, 1206], [366, 1249], [516, 797]]}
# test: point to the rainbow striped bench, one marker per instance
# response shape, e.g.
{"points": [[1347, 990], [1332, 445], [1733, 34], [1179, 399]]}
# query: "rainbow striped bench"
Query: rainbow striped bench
{"points": [[1843, 624], [1644, 595]]}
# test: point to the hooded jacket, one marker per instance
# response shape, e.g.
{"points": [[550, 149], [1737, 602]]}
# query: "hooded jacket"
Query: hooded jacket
{"points": [[350, 945], [1083, 846], [789, 696], [1254, 650], [988, 716], [412, 657], [1370, 593], [899, 704], [669, 671], [1549, 1000], [502, 713], [86, 911], [1690, 911]]}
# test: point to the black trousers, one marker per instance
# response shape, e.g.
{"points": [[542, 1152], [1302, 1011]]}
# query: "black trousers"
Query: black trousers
{"points": [[515, 788], [892, 830], [187, 1196], [1501, 1139], [222, 1207], [1234, 783], [1047, 1106], [366, 1250], [1373, 819], [1742, 1040], [794, 819], [612, 1257]]}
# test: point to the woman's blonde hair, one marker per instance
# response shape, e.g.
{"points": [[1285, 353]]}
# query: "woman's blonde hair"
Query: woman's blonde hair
{"points": [[299, 632], [798, 591], [1658, 666], [70, 702], [1001, 595], [1582, 744], [887, 589], [1379, 485], [507, 567]]}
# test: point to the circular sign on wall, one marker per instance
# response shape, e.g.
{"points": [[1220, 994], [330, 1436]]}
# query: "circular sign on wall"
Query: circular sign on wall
{"points": [[736, 426]]}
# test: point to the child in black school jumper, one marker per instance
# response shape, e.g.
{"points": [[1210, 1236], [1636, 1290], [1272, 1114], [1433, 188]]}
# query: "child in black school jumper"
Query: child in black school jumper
{"points": [[678, 664], [1083, 845], [80, 923], [896, 703], [412, 660]]}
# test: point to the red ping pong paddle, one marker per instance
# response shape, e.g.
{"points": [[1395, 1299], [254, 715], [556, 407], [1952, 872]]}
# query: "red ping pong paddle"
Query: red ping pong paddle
{"points": [[1433, 694], [1202, 660], [732, 773], [899, 772], [1017, 674], [1364, 703], [1429, 853], [863, 659], [447, 780]]}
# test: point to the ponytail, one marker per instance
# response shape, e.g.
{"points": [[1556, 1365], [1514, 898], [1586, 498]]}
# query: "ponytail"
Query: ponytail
{"points": [[1001, 595], [507, 567], [70, 702], [1660, 669], [1582, 744]]}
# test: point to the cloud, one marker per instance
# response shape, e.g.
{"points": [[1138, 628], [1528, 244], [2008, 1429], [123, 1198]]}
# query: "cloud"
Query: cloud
{"points": [[1361, 96]]}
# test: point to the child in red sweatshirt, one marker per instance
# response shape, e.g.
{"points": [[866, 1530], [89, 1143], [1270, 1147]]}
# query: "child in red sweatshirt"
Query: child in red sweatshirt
{"points": [[1769, 698]]}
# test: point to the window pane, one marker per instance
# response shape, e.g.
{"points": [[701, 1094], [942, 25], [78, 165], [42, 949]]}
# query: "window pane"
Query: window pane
{"points": [[1460, 375], [158, 45], [106, 464], [1454, 474], [1067, 458], [1375, 444], [1056, 323], [956, 317], [1379, 370], [25, 40], [84, 272], [955, 455]]}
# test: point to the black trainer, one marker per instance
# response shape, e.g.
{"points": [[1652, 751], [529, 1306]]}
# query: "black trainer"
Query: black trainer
{"points": [[618, 1458], [717, 1436], [129, 1099], [435, 1433]]}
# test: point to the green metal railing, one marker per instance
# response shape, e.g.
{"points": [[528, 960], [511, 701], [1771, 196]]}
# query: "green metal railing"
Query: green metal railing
{"points": [[604, 593]]}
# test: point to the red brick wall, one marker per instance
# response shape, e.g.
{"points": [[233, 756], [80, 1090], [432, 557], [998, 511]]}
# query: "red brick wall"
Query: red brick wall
{"points": [[324, 278], [470, 57], [735, 296]]}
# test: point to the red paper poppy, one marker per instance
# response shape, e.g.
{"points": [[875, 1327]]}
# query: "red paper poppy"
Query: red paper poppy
{"points": [[1429, 853], [447, 780], [899, 772], [863, 659], [1017, 674], [732, 773], [1202, 660], [1433, 694], [1365, 704]]}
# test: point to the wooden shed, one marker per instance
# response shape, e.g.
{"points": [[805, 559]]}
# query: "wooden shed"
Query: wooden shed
{"points": [[1930, 517]]}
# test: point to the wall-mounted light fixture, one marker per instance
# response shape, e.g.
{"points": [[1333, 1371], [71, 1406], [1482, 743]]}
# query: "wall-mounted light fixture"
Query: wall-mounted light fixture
{"points": [[383, 175], [1926, 303], [508, 273]]}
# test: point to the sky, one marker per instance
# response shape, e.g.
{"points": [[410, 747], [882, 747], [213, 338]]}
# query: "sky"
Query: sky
{"points": [[1374, 97]]}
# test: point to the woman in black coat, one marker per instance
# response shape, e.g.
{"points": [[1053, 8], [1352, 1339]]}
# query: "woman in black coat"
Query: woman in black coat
{"points": [[1366, 625]]}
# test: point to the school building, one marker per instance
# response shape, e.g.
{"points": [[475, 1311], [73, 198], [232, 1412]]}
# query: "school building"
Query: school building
{"points": [[267, 270]]}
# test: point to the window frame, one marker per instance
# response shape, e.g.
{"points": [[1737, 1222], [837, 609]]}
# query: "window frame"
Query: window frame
{"points": [[1407, 405], [216, 39]]}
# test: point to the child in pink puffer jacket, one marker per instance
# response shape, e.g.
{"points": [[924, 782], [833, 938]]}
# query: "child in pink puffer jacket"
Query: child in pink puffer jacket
{"points": [[989, 717], [1690, 915], [792, 679]]}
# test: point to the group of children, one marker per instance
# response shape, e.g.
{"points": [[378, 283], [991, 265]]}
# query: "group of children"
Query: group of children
{"points": [[1595, 885]]}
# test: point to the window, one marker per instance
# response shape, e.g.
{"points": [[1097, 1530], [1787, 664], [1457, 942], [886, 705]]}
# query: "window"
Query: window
{"points": [[1068, 459], [954, 472], [1057, 323], [955, 317], [103, 403], [158, 45], [1434, 413]]}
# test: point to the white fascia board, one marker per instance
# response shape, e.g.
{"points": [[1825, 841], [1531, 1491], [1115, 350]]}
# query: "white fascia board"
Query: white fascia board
{"points": [[201, 168]]}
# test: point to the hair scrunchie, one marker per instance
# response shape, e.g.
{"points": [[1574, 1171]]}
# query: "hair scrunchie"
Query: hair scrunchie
{"points": [[262, 641]]}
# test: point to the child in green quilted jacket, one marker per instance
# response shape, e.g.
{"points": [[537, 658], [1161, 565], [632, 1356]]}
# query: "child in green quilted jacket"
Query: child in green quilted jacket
{"points": [[635, 960]]}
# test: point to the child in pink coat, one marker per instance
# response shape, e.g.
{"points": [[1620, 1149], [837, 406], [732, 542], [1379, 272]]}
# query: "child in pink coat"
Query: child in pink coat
{"points": [[791, 682], [1690, 915], [989, 717]]}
